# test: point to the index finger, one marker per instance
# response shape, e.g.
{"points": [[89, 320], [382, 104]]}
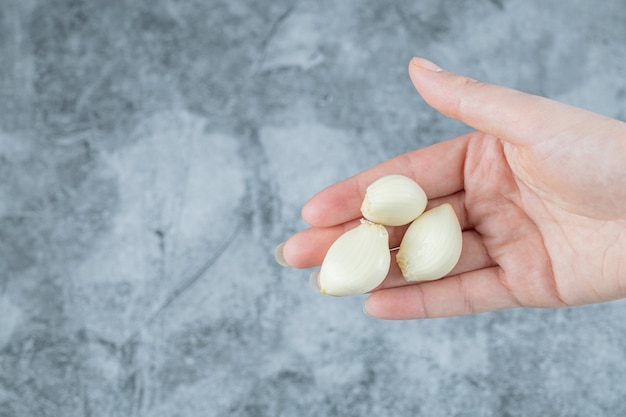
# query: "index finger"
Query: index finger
{"points": [[438, 169]]}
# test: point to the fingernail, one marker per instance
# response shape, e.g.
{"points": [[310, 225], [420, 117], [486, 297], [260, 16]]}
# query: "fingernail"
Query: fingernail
{"points": [[278, 255], [314, 281], [425, 64], [364, 305]]}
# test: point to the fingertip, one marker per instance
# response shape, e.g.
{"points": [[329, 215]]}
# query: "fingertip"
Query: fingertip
{"points": [[309, 213], [290, 253], [432, 83], [424, 64], [285, 253], [317, 208], [380, 306], [399, 303], [332, 206], [304, 249]]}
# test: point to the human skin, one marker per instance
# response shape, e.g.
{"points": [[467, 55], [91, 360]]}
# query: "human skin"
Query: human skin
{"points": [[539, 189]]}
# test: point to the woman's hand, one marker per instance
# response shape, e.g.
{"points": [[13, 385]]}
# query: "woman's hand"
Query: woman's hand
{"points": [[539, 189]]}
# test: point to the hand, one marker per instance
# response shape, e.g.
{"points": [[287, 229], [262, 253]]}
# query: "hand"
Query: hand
{"points": [[539, 189]]}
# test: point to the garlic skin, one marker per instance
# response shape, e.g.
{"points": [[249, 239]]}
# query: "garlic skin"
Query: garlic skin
{"points": [[357, 262], [393, 200], [431, 246]]}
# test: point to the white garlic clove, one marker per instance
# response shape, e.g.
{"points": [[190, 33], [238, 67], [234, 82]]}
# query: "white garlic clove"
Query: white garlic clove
{"points": [[393, 200], [431, 246], [357, 262]]}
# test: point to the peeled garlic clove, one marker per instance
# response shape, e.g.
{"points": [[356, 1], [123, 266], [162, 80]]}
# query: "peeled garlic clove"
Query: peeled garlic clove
{"points": [[431, 246], [393, 200], [357, 262]]}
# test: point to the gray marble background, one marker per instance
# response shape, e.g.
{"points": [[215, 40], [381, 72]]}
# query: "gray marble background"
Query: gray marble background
{"points": [[153, 154]]}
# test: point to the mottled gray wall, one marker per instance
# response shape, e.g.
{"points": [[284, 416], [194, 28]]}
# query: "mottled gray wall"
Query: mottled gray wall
{"points": [[153, 153]]}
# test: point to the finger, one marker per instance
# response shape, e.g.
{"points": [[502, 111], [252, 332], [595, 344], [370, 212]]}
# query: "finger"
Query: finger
{"points": [[469, 293], [438, 169], [473, 257], [517, 117], [307, 248]]}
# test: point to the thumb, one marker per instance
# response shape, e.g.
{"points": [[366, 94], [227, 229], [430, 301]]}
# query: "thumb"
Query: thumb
{"points": [[519, 118], [576, 155]]}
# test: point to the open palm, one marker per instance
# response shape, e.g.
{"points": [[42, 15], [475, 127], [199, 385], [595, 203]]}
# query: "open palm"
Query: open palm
{"points": [[540, 191]]}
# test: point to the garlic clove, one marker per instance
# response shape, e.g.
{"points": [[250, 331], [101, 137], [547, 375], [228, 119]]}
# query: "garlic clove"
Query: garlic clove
{"points": [[357, 262], [393, 200], [431, 246]]}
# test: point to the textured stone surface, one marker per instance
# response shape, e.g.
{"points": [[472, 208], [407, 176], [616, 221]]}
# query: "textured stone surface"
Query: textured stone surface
{"points": [[153, 153]]}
